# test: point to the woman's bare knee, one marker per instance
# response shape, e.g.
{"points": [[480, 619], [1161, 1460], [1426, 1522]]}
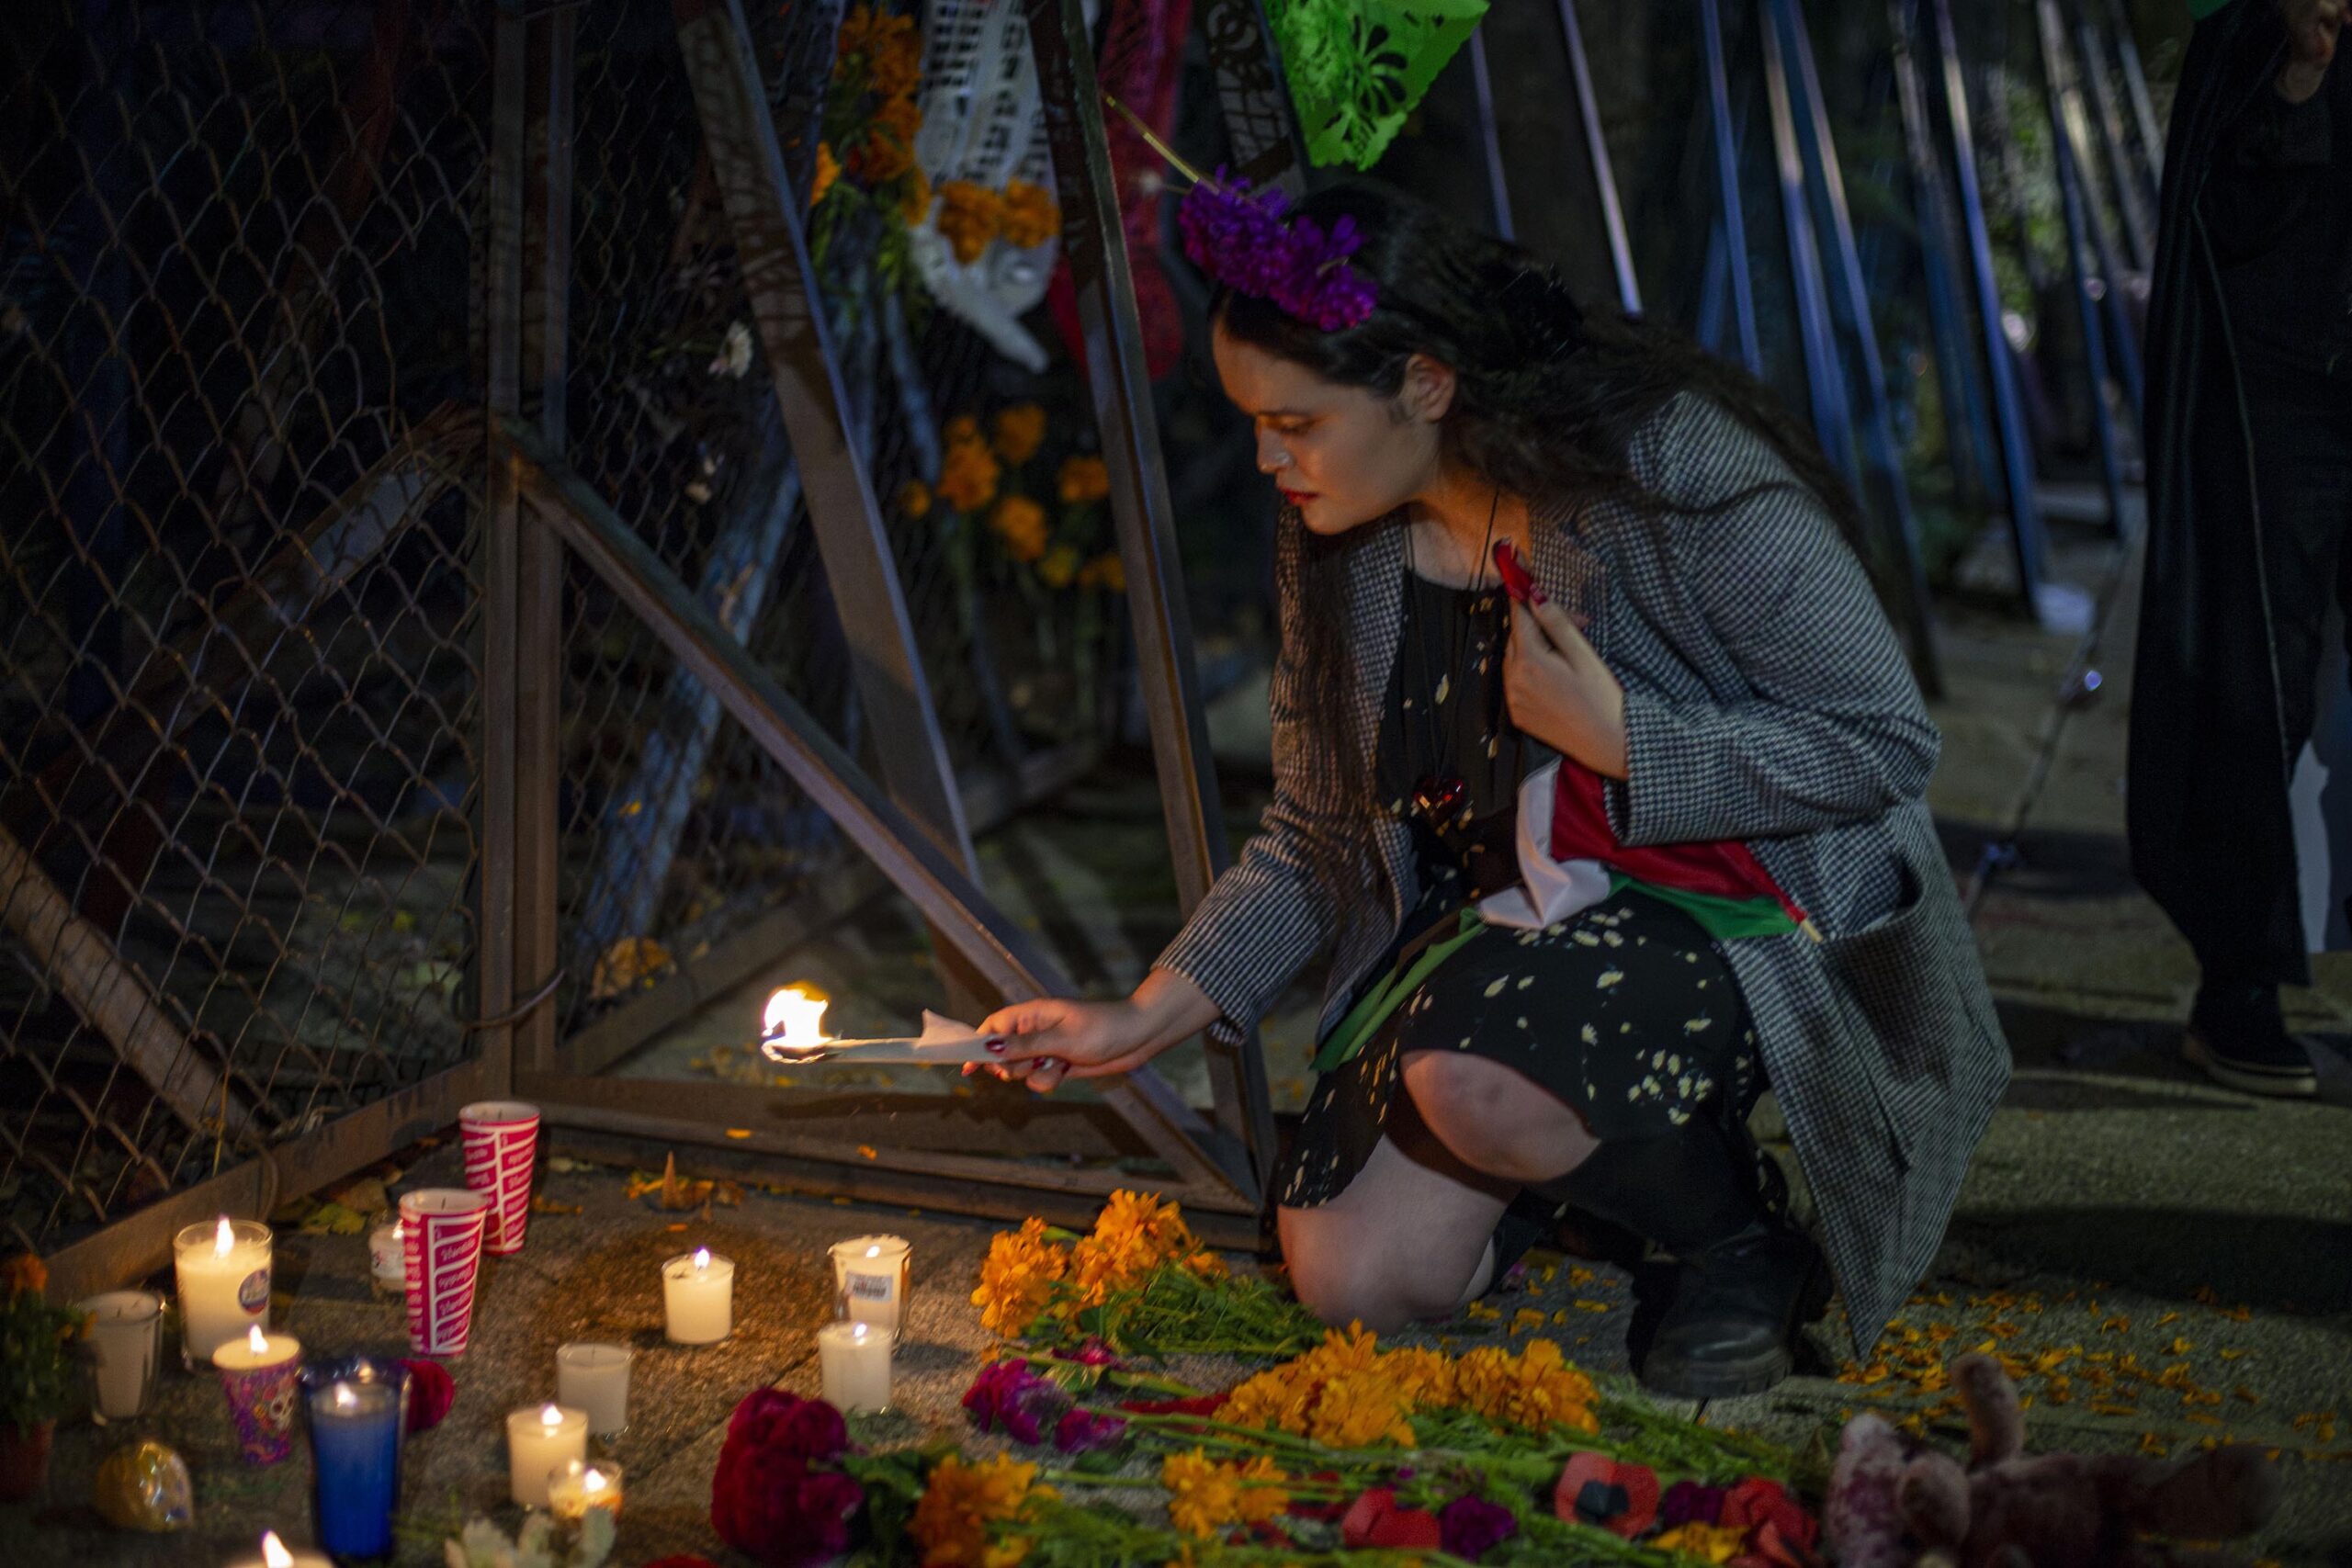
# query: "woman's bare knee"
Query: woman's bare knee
{"points": [[1493, 1119]]}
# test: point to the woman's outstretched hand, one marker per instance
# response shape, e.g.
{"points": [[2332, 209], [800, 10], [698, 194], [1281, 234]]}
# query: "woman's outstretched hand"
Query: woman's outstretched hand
{"points": [[1052, 1038], [1560, 692]]}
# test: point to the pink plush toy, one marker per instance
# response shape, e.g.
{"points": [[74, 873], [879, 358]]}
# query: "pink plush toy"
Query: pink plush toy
{"points": [[1890, 1506]]}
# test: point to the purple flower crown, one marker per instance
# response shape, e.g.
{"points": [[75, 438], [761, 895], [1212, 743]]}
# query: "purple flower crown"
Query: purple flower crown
{"points": [[1243, 240]]}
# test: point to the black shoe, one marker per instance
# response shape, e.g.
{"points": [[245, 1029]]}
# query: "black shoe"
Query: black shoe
{"points": [[1732, 1325], [2237, 1034], [1746, 1278]]}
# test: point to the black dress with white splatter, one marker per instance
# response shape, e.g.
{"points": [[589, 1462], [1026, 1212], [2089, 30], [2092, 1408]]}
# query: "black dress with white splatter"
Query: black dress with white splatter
{"points": [[1626, 1012]]}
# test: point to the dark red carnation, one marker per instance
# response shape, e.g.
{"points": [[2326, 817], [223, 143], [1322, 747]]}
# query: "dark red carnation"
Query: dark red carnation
{"points": [[1374, 1519], [765, 1499]]}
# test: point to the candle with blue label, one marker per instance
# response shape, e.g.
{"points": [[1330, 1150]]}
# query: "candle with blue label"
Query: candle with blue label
{"points": [[355, 1454]]}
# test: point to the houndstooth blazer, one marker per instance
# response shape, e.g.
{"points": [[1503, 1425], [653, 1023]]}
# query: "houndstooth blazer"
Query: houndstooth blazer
{"points": [[1768, 700]]}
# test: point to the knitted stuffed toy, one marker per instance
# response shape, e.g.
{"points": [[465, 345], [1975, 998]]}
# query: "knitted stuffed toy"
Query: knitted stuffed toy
{"points": [[1890, 1506]]}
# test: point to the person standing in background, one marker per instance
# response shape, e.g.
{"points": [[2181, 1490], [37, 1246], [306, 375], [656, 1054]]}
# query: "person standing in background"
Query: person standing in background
{"points": [[2249, 443]]}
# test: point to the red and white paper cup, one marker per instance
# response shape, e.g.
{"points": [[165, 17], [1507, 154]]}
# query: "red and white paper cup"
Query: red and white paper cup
{"points": [[441, 1237], [502, 1138]]}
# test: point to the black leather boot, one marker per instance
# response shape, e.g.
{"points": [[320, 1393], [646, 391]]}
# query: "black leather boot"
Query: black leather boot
{"points": [[1746, 1279]]}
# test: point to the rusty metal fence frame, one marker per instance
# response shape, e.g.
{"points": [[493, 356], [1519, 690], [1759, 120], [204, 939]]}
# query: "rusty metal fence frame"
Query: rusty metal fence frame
{"points": [[533, 519]]}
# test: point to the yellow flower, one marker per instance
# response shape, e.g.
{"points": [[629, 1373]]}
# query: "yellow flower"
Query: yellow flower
{"points": [[1020, 431], [1108, 571], [960, 1501], [1059, 566], [24, 1274], [1083, 479], [969, 216], [1715, 1543], [1017, 1278], [1135, 1233], [870, 35], [1021, 524], [968, 477], [896, 68], [964, 427], [1205, 1495], [1030, 217], [828, 169], [914, 499], [1342, 1392]]}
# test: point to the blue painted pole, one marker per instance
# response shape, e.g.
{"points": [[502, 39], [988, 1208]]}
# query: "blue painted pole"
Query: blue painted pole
{"points": [[2026, 533], [1596, 148], [1735, 226], [1877, 424], [1824, 376]]}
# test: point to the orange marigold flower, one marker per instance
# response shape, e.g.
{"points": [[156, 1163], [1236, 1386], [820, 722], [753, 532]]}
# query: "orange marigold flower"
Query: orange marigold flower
{"points": [[914, 499], [969, 216], [1021, 524], [914, 197], [961, 1500], [900, 120], [963, 427], [880, 158], [828, 169], [1029, 216], [1205, 1495], [1059, 567], [869, 33], [968, 478], [24, 1274], [1083, 479], [896, 68], [1020, 431], [1017, 1278], [1108, 571]]}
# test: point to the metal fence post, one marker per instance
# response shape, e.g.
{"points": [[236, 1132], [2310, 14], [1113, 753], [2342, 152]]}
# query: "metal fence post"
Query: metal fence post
{"points": [[1261, 121], [2017, 446], [1726, 153], [1095, 247], [1596, 149]]}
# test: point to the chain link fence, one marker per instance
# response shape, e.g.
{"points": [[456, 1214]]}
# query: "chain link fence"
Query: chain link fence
{"points": [[238, 605], [244, 343]]}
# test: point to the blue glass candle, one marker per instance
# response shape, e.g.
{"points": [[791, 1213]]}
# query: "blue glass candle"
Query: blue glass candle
{"points": [[354, 1461]]}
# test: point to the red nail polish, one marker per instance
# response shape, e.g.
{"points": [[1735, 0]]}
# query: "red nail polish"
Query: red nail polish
{"points": [[996, 1042], [1537, 596]]}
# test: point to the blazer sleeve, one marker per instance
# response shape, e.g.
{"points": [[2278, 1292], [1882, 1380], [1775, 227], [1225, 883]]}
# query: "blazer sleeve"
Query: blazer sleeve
{"points": [[1268, 914], [1830, 727]]}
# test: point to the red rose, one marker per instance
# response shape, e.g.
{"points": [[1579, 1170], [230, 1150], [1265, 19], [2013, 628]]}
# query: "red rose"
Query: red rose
{"points": [[765, 1499], [1374, 1519]]}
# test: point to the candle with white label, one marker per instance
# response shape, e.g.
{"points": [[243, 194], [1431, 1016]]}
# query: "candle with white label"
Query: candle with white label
{"points": [[538, 1443], [870, 1276], [594, 1378], [579, 1489], [274, 1553], [855, 1359], [222, 1271], [699, 1297]]}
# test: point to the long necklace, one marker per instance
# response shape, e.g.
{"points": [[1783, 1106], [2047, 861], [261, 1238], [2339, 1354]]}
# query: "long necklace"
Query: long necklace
{"points": [[1440, 794]]}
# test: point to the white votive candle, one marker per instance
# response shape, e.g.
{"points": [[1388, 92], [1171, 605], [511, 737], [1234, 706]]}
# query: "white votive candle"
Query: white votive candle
{"points": [[387, 1266], [223, 1269], [256, 1351], [124, 1340], [699, 1297], [579, 1489], [594, 1378], [274, 1553], [538, 1443], [870, 1280], [855, 1360]]}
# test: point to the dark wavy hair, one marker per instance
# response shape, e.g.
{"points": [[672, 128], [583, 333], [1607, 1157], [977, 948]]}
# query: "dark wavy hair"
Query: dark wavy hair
{"points": [[1547, 399]]}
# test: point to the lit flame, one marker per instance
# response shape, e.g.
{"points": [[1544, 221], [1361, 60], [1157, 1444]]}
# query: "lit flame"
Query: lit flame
{"points": [[224, 1237], [256, 1342], [858, 1333], [702, 1259], [551, 1417], [873, 1252], [795, 1017], [344, 1398], [592, 1481], [273, 1552]]}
